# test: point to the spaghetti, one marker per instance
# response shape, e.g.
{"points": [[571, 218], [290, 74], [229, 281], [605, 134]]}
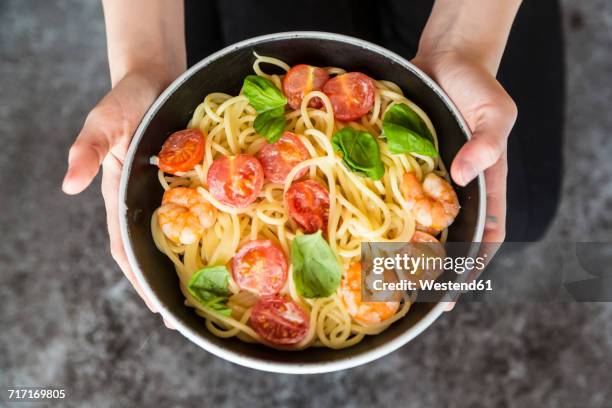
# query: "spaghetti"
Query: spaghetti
{"points": [[360, 209]]}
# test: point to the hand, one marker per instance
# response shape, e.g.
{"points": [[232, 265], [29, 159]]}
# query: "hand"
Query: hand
{"points": [[490, 114], [104, 139]]}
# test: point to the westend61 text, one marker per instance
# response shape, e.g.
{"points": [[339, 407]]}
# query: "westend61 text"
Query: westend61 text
{"points": [[403, 285]]}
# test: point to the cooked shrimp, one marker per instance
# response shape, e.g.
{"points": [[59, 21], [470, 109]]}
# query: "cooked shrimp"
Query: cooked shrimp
{"points": [[364, 312], [431, 248], [184, 215], [434, 203]]}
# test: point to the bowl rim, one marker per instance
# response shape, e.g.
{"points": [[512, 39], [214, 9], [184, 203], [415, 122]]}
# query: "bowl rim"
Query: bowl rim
{"points": [[252, 362]]}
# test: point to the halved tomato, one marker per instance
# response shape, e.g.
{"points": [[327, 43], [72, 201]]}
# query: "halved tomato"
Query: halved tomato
{"points": [[260, 267], [352, 95], [302, 79], [235, 181], [279, 321], [279, 158], [308, 204], [181, 151]]}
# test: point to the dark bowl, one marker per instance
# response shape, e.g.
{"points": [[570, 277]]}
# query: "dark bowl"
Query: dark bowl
{"points": [[224, 71]]}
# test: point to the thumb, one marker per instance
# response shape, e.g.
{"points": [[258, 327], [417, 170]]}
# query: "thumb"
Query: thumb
{"points": [[478, 154], [484, 149], [85, 157]]}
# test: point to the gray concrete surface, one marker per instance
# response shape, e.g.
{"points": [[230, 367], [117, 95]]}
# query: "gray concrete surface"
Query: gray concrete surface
{"points": [[69, 318]]}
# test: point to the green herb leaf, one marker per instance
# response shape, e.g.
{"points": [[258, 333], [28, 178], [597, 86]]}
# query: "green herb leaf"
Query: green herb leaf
{"points": [[263, 94], [210, 286], [269, 102], [316, 270], [403, 140], [271, 124], [406, 132], [360, 152], [403, 115]]}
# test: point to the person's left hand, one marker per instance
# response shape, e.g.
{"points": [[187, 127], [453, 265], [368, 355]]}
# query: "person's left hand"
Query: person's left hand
{"points": [[490, 114]]}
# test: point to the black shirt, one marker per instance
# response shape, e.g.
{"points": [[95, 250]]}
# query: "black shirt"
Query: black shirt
{"points": [[212, 24]]}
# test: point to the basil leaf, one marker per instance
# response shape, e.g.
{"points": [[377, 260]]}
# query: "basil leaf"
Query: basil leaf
{"points": [[269, 102], [406, 132], [263, 95], [209, 286], [403, 140], [403, 115], [360, 152], [271, 124], [316, 270]]}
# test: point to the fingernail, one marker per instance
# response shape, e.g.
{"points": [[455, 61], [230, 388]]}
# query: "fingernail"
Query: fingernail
{"points": [[468, 172]]}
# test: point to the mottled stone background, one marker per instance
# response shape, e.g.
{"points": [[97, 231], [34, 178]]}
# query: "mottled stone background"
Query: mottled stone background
{"points": [[69, 318]]}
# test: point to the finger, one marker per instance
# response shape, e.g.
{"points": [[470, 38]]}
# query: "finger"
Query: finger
{"points": [[488, 143], [110, 187], [495, 224], [84, 158], [482, 151]]}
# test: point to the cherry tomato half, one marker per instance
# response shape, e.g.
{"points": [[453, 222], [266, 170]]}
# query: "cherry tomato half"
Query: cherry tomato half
{"points": [[302, 79], [308, 204], [260, 267], [181, 151], [235, 180], [351, 95], [279, 158], [279, 321]]}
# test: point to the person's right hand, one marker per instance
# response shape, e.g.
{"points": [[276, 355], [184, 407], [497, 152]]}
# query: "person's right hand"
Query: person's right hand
{"points": [[104, 140]]}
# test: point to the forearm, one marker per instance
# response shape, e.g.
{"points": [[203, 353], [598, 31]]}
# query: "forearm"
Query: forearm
{"points": [[145, 35], [478, 29]]}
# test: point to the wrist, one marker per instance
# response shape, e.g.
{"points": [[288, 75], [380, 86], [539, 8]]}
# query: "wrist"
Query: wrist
{"points": [[475, 30], [437, 53], [441, 64], [157, 76], [145, 37]]}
